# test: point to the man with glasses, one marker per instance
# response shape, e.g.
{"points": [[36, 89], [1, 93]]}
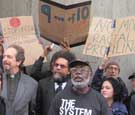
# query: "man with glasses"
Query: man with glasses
{"points": [[108, 69], [79, 98], [50, 86]]}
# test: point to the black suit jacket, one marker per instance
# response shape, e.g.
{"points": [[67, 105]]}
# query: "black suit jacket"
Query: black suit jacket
{"points": [[2, 107], [45, 95]]}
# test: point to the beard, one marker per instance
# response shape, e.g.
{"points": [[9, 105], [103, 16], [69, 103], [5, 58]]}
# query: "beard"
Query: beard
{"points": [[113, 76], [81, 84], [59, 78]]}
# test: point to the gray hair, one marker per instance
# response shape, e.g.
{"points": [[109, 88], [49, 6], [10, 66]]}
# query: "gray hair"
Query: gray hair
{"points": [[20, 53]]}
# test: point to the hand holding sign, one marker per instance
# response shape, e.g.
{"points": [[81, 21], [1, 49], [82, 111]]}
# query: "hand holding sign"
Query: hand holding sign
{"points": [[65, 45], [47, 49], [21, 31], [105, 59]]}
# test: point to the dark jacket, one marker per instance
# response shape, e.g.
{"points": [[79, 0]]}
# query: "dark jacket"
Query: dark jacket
{"points": [[127, 101], [1, 65], [2, 107], [37, 72], [45, 95], [132, 105], [119, 109]]}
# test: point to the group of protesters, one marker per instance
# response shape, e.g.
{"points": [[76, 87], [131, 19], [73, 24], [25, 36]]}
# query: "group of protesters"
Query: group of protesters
{"points": [[65, 86]]}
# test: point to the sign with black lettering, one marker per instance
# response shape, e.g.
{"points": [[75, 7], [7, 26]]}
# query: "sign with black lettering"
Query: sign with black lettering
{"points": [[20, 30], [111, 37], [99, 37], [123, 41], [68, 23]]}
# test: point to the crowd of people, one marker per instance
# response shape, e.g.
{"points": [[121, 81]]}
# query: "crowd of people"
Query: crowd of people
{"points": [[67, 86]]}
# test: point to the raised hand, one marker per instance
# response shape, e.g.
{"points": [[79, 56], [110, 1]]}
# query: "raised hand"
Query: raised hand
{"points": [[65, 45]]}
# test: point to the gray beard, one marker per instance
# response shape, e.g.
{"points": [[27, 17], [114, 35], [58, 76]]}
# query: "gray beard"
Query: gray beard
{"points": [[58, 78], [110, 76], [81, 84]]}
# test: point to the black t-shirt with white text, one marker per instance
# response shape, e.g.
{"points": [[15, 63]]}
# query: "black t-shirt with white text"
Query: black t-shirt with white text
{"points": [[69, 102]]}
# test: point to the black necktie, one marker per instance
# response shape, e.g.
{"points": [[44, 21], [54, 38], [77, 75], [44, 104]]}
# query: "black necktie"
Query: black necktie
{"points": [[59, 88]]}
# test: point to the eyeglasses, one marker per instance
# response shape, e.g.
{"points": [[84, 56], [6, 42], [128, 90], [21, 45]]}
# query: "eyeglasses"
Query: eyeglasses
{"points": [[80, 69], [62, 66], [113, 68]]}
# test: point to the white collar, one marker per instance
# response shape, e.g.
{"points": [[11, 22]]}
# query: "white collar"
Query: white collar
{"points": [[57, 85]]}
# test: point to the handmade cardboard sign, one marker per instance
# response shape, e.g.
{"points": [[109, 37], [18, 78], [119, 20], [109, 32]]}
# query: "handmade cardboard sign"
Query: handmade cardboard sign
{"points": [[21, 31], [114, 37], [59, 22], [99, 37], [123, 39]]}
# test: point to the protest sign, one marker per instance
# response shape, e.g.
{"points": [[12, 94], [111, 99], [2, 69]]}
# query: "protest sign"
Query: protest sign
{"points": [[117, 35], [59, 22], [20, 30], [123, 41], [99, 37]]}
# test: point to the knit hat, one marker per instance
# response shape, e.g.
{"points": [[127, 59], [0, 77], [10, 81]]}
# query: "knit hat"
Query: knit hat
{"points": [[112, 63]]}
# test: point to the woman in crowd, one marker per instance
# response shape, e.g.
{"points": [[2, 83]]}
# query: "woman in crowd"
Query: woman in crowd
{"points": [[111, 90]]}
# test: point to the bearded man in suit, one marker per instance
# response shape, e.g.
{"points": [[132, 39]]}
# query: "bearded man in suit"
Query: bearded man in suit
{"points": [[58, 80]]}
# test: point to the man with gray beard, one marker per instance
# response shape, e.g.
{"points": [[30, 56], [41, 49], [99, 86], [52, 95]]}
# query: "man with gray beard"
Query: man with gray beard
{"points": [[79, 98]]}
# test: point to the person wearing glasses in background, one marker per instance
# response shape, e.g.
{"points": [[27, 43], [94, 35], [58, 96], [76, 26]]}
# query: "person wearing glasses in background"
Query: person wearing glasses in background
{"points": [[42, 67], [79, 98], [50, 86], [108, 69]]}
